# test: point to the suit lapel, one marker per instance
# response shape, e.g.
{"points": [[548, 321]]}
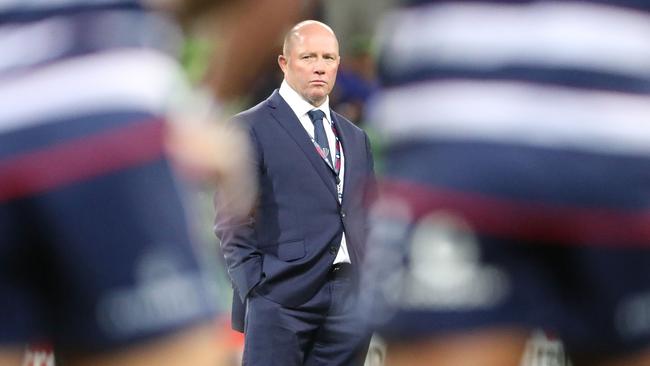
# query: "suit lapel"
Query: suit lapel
{"points": [[352, 177], [283, 114]]}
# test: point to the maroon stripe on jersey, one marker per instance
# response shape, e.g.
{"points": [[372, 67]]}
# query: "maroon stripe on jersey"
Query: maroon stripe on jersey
{"points": [[525, 220], [80, 159]]}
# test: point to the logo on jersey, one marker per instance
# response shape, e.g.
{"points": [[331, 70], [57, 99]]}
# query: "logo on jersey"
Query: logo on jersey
{"points": [[445, 269], [163, 294], [633, 316]]}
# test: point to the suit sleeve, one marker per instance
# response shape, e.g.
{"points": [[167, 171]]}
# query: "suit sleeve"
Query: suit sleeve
{"points": [[237, 236]]}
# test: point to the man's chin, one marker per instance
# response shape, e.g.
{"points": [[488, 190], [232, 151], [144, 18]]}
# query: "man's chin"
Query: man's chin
{"points": [[317, 99]]}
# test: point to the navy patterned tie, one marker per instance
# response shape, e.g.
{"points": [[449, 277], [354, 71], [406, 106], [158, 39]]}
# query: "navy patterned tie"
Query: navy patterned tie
{"points": [[316, 117]]}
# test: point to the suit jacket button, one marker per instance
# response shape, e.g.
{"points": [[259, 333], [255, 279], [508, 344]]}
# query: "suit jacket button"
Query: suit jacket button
{"points": [[343, 214], [333, 249]]}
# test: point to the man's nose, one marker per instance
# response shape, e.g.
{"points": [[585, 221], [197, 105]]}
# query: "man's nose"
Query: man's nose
{"points": [[319, 66]]}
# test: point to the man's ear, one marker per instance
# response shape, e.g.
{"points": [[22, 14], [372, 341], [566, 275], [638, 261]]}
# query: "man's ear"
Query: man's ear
{"points": [[282, 61]]}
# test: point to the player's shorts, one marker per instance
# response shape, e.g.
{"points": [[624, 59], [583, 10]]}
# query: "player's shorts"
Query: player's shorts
{"points": [[477, 229], [568, 252], [95, 250]]}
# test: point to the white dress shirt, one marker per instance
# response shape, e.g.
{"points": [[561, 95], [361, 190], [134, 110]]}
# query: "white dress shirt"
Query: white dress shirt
{"points": [[300, 107]]}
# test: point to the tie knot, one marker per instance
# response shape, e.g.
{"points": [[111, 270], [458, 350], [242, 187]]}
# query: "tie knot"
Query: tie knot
{"points": [[316, 115]]}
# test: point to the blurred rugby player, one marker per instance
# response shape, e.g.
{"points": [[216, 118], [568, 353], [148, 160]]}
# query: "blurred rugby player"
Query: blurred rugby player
{"points": [[97, 253], [516, 193]]}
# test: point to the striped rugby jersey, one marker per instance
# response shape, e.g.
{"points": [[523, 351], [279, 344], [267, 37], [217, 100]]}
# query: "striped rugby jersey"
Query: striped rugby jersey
{"points": [[532, 85]]}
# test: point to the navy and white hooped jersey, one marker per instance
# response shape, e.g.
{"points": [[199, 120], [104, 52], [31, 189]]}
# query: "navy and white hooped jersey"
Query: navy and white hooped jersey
{"points": [[555, 82], [511, 128], [95, 246]]}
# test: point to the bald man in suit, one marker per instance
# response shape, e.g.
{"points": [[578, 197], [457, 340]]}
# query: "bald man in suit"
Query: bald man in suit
{"points": [[294, 261]]}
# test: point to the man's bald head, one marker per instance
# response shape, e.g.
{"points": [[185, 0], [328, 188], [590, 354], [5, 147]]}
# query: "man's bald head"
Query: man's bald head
{"points": [[297, 32], [310, 60]]}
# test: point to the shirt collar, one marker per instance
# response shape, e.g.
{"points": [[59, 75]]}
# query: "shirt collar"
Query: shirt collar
{"points": [[299, 105]]}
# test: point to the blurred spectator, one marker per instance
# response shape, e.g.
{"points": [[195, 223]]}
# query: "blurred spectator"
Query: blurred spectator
{"points": [[355, 82], [516, 182]]}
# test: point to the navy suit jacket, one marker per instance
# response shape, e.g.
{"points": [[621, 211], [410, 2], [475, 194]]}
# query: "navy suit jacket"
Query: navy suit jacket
{"points": [[286, 247]]}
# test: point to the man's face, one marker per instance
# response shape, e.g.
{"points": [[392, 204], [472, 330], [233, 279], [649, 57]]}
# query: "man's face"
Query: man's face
{"points": [[311, 63]]}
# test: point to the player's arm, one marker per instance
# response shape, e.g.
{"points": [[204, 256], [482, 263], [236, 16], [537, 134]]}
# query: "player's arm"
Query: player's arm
{"points": [[237, 233]]}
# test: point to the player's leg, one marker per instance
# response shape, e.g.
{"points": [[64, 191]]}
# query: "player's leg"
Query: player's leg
{"points": [[10, 356], [494, 347], [197, 346]]}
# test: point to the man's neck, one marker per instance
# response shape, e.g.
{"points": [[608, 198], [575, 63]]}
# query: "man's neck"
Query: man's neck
{"points": [[299, 104]]}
